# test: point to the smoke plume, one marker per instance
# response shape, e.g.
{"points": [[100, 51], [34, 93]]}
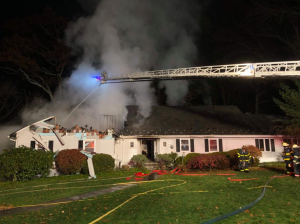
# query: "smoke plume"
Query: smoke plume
{"points": [[123, 37]]}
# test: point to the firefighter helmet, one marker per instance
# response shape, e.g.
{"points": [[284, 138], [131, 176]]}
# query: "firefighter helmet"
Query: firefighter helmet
{"points": [[295, 146], [285, 144], [244, 147]]}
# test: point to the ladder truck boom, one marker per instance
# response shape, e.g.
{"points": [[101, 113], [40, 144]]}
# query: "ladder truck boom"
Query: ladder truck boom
{"points": [[285, 69]]}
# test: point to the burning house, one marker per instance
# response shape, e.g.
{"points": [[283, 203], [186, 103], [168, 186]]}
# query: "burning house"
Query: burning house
{"points": [[202, 129], [183, 130], [46, 134]]}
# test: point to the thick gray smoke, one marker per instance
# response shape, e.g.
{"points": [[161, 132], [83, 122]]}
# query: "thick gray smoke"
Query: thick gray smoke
{"points": [[123, 37]]}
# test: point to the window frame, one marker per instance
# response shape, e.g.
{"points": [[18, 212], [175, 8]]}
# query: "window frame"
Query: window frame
{"points": [[215, 139], [89, 140], [189, 144], [131, 147], [258, 141]]}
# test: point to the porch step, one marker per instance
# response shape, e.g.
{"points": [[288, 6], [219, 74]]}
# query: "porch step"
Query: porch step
{"points": [[151, 165]]}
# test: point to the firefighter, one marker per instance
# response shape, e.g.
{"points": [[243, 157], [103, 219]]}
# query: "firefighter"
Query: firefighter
{"points": [[287, 156], [244, 157], [296, 160]]}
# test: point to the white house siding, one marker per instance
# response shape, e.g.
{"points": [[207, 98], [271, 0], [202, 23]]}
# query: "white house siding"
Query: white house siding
{"points": [[228, 142], [106, 146]]}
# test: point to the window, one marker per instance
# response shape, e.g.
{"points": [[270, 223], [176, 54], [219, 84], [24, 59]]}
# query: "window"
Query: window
{"points": [[185, 146], [164, 144], [89, 146], [213, 145], [264, 144], [131, 144], [50, 145]]}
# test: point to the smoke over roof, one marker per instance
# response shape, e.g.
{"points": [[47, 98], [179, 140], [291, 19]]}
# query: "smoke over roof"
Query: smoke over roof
{"points": [[123, 37]]}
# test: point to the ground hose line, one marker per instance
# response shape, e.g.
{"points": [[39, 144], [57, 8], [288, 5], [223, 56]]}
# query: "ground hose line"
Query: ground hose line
{"points": [[241, 209]]}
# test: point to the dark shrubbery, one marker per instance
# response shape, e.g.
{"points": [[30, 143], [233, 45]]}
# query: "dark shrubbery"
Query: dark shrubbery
{"points": [[234, 160], [209, 162], [24, 163], [189, 156], [102, 163], [164, 160], [70, 161], [139, 160]]}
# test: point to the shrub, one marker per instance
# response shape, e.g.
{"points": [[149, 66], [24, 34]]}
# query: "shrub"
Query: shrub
{"points": [[70, 161], [255, 153], [182, 167], [234, 160], [164, 159], [125, 167], [24, 163], [173, 155], [189, 156], [209, 162], [102, 163], [139, 160], [179, 160]]}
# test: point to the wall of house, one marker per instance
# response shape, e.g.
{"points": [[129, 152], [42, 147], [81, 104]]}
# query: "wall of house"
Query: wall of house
{"points": [[106, 146], [167, 144], [126, 148]]}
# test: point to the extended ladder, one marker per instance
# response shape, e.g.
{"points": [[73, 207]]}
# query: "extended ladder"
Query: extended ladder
{"points": [[288, 69]]}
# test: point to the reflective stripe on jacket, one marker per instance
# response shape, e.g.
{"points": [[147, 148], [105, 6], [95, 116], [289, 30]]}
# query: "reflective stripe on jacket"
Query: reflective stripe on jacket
{"points": [[244, 156], [287, 153]]}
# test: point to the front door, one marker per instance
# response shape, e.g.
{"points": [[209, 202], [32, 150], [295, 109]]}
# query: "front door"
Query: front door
{"points": [[150, 149]]}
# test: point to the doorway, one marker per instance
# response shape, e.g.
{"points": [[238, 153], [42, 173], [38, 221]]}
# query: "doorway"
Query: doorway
{"points": [[148, 148]]}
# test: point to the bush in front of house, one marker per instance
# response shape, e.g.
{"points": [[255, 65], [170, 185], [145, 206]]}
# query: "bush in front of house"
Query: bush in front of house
{"points": [[139, 160], [70, 161], [188, 157], [102, 163], [209, 162], [178, 160], [24, 163], [234, 160], [164, 160], [173, 155]]}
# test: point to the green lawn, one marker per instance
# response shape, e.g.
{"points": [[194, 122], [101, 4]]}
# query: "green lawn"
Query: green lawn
{"points": [[170, 199]]}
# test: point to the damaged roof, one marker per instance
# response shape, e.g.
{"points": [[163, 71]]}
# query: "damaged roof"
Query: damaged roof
{"points": [[197, 120]]}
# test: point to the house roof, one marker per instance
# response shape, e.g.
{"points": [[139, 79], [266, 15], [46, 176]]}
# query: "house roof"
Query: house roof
{"points": [[44, 123], [198, 120]]}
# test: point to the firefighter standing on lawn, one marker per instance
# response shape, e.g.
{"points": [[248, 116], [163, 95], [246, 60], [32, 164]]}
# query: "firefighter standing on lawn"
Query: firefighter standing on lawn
{"points": [[296, 160], [287, 156], [244, 157]]}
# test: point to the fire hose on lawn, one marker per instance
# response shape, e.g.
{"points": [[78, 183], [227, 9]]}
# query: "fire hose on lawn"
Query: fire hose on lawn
{"points": [[243, 208], [176, 171]]}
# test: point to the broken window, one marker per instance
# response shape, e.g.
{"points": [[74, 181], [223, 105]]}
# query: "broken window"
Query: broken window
{"points": [[89, 146]]}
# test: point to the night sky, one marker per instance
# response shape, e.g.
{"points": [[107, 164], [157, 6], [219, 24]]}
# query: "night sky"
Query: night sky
{"points": [[231, 31]]}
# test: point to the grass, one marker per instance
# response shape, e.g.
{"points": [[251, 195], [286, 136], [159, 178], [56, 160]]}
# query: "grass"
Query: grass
{"points": [[177, 199]]}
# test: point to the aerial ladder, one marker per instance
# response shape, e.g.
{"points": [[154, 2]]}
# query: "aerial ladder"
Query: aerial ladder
{"points": [[285, 69]]}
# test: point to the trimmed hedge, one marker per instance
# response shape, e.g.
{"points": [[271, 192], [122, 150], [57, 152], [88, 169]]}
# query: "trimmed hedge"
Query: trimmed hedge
{"points": [[166, 159], [209, 162], [102, 163], [25, 163], [189, 156], [70, 161], [138, 160]]}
